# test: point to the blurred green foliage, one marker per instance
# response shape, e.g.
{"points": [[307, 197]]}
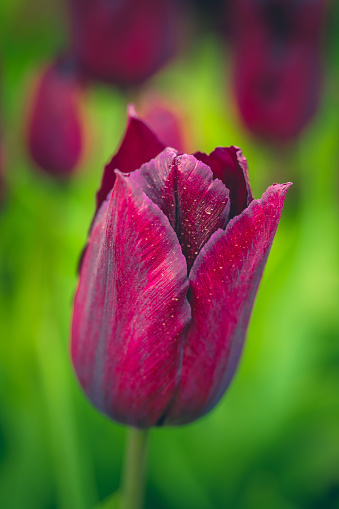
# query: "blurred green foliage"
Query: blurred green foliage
{"points": [[273, 441]]}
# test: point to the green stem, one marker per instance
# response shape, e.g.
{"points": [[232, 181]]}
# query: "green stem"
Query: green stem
{"points": [[133, 480]]}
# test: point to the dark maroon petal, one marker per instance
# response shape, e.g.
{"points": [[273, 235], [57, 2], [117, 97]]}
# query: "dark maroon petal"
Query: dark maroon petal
{"points": [[130, 309], [184, 189], [139, 145], [230, 166], [223, 284], [55, 134]]}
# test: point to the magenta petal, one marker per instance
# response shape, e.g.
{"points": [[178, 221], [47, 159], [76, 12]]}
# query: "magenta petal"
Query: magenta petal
{"points": [[139, 145], [130, 309], [223, 284], [230, 166], [184, 189]]}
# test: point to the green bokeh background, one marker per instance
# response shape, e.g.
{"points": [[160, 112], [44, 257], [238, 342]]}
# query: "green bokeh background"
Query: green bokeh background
{"points": [[273, 441]]}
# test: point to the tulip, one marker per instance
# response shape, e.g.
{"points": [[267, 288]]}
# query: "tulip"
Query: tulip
{"points": [[55, 132], [167, 283], [164, 120], [124, 42], [277, 64]]}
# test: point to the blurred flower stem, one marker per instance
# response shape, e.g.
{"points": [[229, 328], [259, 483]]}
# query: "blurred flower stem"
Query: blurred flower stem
{"points": [[133, 478]]}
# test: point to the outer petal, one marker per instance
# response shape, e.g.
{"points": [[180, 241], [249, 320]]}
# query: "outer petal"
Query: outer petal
{"points": [[224, 282], [140, 144], [230, 166], [130, 309], [184, 189]]}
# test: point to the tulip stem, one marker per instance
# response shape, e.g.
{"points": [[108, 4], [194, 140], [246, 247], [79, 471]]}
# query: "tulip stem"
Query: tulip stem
{"points": [[133, 479]]}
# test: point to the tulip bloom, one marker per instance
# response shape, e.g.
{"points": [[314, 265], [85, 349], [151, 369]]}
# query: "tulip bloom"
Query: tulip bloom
{"points": [[277, 64], [124, 42], [55, 131], [167, 283]]}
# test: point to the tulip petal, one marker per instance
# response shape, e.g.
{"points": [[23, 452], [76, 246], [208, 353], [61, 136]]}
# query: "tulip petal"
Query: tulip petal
{"points": [[130, 309], [184, 189], [139, 145], [230, 166], [223, 284]]}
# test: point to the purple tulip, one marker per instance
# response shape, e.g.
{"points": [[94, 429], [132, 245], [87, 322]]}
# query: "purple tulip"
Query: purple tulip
{"points": [[167, 283], [123, 42], [55, 128], [277, 64]]}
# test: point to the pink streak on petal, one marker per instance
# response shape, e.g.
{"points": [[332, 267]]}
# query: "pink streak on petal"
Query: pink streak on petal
{"points": [[223, 284]]}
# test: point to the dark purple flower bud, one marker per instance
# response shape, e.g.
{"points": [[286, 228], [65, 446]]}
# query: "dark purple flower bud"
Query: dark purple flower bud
{"points": [[123, 42], [55, 127], [277, 64], [168, 279]]}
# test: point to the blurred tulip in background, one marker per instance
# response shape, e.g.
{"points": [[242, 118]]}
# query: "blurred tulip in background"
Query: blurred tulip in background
{"points": [[277, 64], [166, 120], [55, 124], [123, 42]]}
